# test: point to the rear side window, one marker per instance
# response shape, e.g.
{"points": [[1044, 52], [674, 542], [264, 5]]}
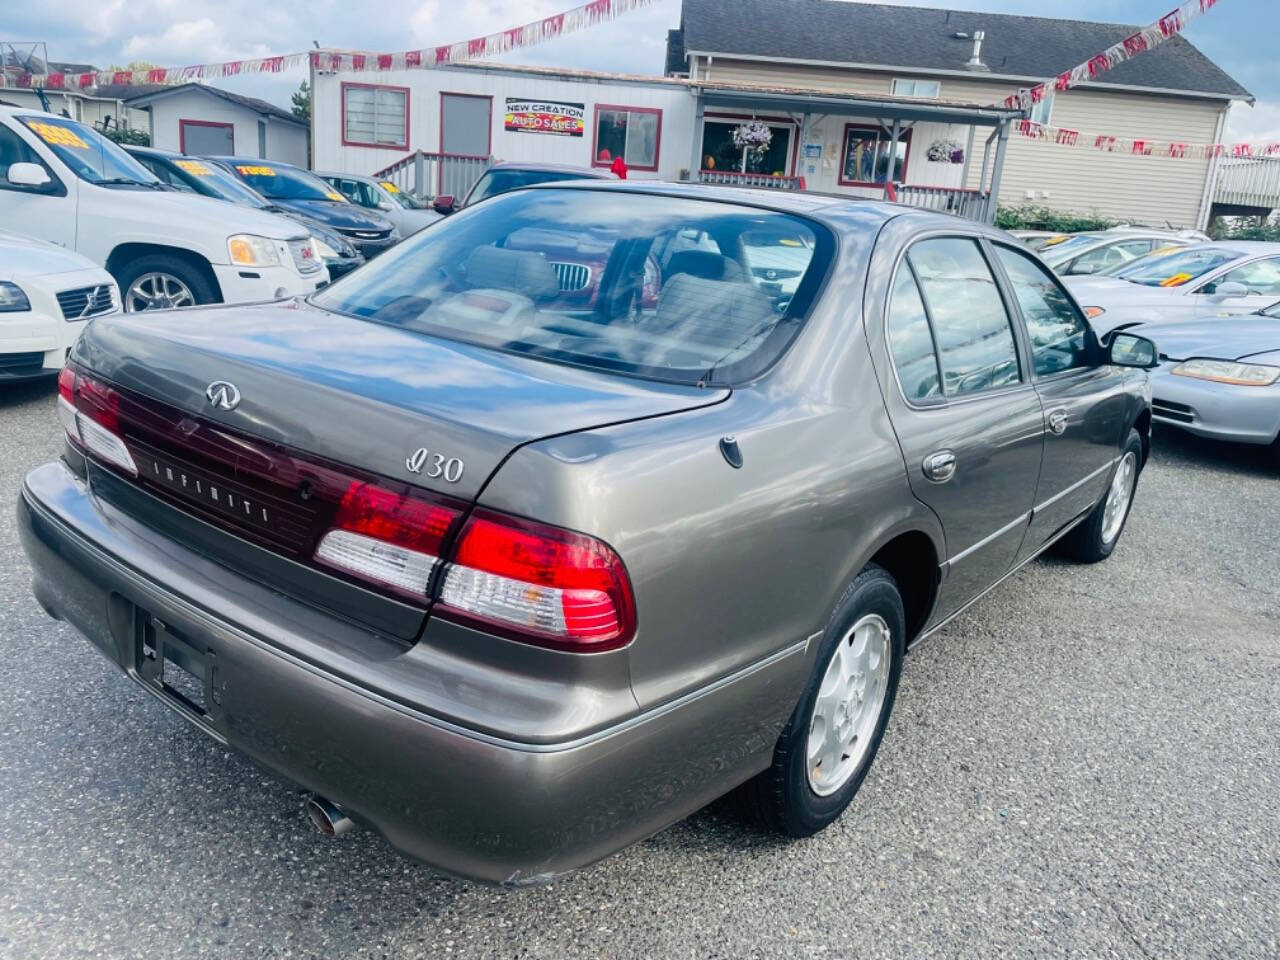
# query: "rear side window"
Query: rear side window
{"points": [[970, 324], [667, 288], [1060, 337], [911, 341]]}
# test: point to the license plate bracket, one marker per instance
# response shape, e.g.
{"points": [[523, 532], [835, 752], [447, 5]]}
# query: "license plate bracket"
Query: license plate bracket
{"points": [[183, 674]]}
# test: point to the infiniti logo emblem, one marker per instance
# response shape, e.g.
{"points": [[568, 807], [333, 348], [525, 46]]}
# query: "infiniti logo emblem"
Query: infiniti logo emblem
{"points": [[223, 395]]}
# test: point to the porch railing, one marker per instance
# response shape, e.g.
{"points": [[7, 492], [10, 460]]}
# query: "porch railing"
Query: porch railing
{"points": [[426, 175], [1249, 182], [735, 178], [963, 202]]}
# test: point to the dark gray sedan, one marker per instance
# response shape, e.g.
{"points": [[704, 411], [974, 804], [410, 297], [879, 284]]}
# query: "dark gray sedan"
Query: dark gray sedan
{"points": [[556, 522]]}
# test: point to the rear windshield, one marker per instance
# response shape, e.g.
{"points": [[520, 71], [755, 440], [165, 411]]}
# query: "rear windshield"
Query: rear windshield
{"points": [[1175, 269], [660, 287], [277, 182], [495, 182]]}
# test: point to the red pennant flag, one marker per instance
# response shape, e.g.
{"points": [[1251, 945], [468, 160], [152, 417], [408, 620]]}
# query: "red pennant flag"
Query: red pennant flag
{"points": [[413, 58], [384, 61]]}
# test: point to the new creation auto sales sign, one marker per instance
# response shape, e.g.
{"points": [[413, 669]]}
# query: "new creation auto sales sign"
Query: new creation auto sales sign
{"points": [[546, 116]]}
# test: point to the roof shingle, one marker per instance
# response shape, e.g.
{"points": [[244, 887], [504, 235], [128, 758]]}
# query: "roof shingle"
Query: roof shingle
{"points": [[924, 38]]}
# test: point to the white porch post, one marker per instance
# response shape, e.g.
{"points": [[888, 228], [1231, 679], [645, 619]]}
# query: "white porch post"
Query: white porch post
{"points": [[695, 163]]}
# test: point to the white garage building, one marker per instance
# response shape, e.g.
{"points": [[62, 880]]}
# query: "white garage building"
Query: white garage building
{"points": [[202, 120]]}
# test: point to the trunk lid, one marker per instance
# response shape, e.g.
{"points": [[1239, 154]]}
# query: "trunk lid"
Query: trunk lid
{"points": [[363, 393]]}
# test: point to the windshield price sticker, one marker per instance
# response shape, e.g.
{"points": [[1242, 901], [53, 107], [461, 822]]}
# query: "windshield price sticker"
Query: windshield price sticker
{"points": [[194, 167], [1176, 280], [388, 186], [250, 171], [57, 135], [335, 196]]}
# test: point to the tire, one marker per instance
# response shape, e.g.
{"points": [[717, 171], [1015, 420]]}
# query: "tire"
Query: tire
{"points": [[1095, 537], [176, 273], [789, 798]]}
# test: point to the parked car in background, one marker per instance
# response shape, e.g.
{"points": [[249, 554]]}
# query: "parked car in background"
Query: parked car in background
{"points": [[408, 213], [1091, 253], [46, 296], [1221, 378], [1039, 239], [510, 175], [1223, 278], [64, 182], [298, 191], [519, 582], [193, 175]]}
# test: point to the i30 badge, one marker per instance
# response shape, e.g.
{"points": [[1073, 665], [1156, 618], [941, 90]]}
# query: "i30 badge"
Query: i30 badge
{"points": [[223, 395]]}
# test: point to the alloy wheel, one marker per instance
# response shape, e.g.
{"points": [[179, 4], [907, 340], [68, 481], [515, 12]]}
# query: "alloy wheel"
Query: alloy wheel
{"points": [[157, 291], [1118, 497]]}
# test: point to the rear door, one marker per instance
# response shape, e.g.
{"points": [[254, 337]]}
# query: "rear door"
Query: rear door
{"points": [[967, 417], [1084, 398]]}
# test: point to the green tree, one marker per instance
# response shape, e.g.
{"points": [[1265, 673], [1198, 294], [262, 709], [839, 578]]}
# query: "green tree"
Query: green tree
{"points": [[302, 101], [134, 65]]}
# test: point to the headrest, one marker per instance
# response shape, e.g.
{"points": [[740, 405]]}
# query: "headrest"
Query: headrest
{"points": [[520, 271]]}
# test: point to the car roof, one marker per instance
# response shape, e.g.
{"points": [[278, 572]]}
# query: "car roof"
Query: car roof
{"points": [[348, 176], [535, 166], [255, 160], [1246, 248], [151, 151]]}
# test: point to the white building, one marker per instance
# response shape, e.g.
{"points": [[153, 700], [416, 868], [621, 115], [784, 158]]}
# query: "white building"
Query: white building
{"points": [[199, 119]]}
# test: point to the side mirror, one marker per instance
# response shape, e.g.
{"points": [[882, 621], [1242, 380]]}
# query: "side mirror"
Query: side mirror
{"points": [[443, 204], [385, 205], [28, 175], [1131, 350], [1082, 268], [1230, 288]]}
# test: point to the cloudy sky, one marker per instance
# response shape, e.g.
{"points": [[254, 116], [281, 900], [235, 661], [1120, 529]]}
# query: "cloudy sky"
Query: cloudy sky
{"points": [[1240, 35]]}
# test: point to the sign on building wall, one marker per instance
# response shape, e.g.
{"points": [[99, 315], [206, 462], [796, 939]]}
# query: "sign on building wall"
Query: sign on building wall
{"points": [[545, 116]]}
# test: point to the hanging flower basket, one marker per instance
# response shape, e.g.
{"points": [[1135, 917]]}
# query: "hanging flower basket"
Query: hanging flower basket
{"points": [[945, 151], [752, 136]]}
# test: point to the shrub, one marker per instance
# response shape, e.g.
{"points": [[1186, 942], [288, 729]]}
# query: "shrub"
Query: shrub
{"points": [[1246, 228], [1046, 218], [131, 137]]}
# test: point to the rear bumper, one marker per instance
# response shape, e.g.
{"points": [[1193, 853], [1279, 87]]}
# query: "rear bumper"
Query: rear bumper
{"points": [[1219, 410], [469, 802]]}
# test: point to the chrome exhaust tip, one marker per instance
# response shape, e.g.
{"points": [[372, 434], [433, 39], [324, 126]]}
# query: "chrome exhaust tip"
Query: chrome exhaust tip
{"points": [[328, 816]]}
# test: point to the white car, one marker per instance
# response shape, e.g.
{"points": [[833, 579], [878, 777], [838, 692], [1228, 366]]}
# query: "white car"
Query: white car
{"points": [[1224, 278], [46, 296], [1089, 253], [408, 213], [64, 182]]}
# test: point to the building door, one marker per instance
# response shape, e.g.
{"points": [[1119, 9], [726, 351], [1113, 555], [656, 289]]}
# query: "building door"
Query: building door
{"points": [[203, 138], [465, 129], [719, 152]]}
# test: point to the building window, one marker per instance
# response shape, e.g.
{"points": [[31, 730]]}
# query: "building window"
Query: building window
{"points": [[719, 153], [633, 133], [374, 116], [866, 160], [1042, 112], [924, 89]]}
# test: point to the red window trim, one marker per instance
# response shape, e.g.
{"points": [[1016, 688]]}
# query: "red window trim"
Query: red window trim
{"points": [[184, 123], [403, 145], [904, 135], [595, 136], [773, 121]]}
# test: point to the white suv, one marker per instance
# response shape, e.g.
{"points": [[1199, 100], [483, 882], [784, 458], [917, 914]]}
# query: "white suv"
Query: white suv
{"points": [[64, 182], [46, 296]]}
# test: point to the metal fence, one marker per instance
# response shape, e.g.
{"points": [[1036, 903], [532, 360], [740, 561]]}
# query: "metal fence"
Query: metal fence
{"points": [[734, 178], [426, 175], [973, 204], [1249, 182]]}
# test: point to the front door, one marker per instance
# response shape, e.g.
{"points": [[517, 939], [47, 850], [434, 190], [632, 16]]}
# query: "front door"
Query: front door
{"points": [[1260, 280], [967, 418], [465, 130], [47, 212], [1084, 398]]}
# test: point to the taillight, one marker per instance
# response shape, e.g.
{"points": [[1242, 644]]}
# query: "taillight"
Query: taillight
{"points": [[390, 539], [90, 413], [538, 584]]}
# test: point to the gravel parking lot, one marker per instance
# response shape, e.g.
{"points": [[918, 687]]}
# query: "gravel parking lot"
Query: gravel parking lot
{"points": [[1086, 764]]}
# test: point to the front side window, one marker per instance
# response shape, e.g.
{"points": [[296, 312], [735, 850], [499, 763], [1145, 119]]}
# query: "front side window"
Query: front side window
{"points": [[868, 159], [13, 149], [1060, 337], [88, 154], [405, 200], [1261, 278], [911, 341], [643, 285], [375, 116], [632, 133], [974, 336]]}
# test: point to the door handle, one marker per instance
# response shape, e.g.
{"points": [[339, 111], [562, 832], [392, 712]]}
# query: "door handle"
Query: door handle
{"points": [[1058, 422], [940, 466]]}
